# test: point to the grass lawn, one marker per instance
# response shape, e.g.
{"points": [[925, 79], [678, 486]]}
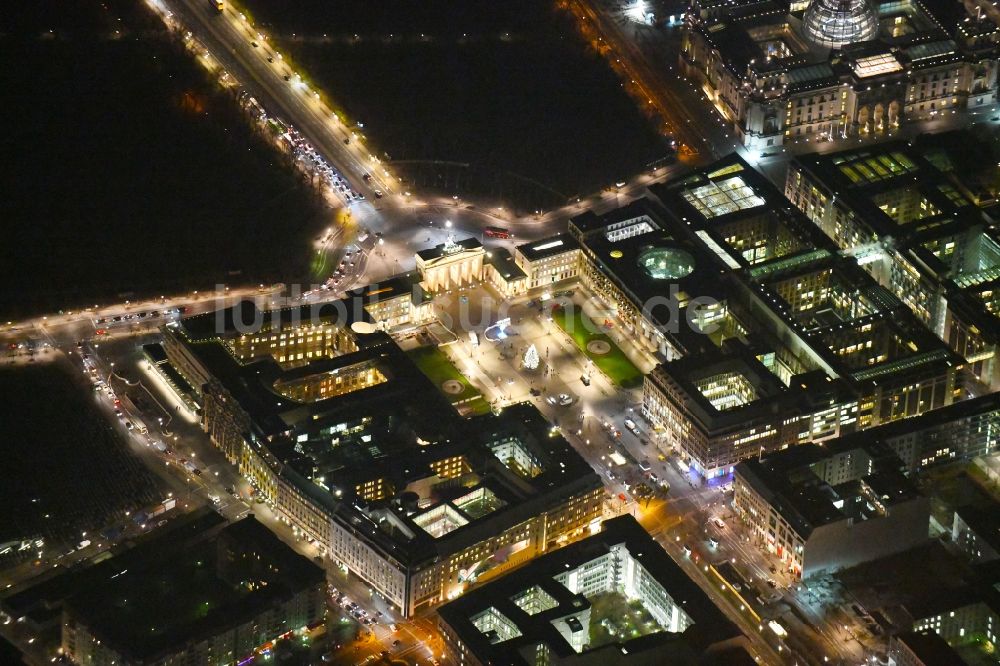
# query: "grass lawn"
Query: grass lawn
{"points": [[477, 406], [436, 365], [613, 618], [615, 364]]}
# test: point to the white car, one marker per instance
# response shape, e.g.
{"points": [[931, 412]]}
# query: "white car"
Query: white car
{"points": [[563, 399]]}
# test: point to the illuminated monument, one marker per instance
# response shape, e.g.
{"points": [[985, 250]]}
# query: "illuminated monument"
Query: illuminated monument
{"points": [[835, 23]]}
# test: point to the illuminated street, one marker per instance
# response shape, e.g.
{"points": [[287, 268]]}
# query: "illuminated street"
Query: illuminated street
{"points": [[740, 405]]}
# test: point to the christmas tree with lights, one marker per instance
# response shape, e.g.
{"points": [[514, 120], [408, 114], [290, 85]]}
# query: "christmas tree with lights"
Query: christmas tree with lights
{"points": [[531, 358]]}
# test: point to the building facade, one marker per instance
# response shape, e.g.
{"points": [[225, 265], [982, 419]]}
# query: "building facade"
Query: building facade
{"points": [[548, 261], [781, 75], [918, 225], [546, 616], [244, 602], [820, 509], [379, 471], [825, 347]]}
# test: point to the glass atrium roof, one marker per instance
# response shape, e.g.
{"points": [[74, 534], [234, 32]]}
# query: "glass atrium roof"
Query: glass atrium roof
{"points": [[883, 63], [721, 198], [834, 23], [865, 167], [666, 263]]}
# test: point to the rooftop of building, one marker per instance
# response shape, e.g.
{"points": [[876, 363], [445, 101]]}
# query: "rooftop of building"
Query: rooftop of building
{"points": [[537, 609], [256, 382], [861, 172], [493, 472], [792, 481], [246, 316], [392, 457], [864, 177], [724, 389], [503, 261], [945, 600], [392, 287], [885, 346], [182, 592], [649, 265], [758, 232], [732, 32], [929, 647], [448, 248], [725, 188], [787, 265], [802, 77], [631, 213], [922, 199], [984, 521], [657, 269], [828, 44], [547, 247], [173, 586]]}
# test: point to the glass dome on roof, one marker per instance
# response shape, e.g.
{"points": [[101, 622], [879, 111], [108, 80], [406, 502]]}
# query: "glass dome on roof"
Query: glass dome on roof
{"points": [[666, 263], [834, 23]]}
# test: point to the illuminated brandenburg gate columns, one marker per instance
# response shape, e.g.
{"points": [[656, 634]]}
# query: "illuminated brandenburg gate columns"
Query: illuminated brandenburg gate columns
{"points": [[451, 264]]}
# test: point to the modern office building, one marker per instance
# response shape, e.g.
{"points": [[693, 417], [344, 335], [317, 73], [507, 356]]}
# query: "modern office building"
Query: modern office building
{"points": [[959, 615], [196, 591], [339, 430], [395, 303], [660, 288], [960, 432], [828, 70], [917, 224], [548, 261], [503, 272], [716, 409], [564, 607], [820, 508], [976, 531], [845, 351], [769, 334], [921, 648]]}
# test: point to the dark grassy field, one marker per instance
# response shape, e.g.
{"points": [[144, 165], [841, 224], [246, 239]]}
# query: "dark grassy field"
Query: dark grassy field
{"points": [[126, 170], [50, 432], [508, 89]]}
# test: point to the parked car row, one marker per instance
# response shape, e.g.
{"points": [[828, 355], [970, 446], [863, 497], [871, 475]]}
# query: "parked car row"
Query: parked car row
{"points": [[126, 317], [313, 161]]}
